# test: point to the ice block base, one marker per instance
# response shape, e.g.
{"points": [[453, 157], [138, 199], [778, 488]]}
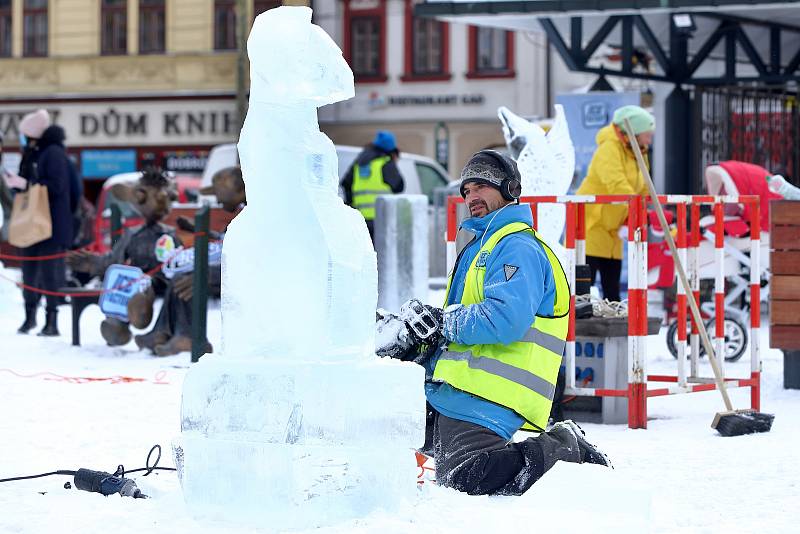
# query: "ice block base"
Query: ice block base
{"points": [[298, 445]]}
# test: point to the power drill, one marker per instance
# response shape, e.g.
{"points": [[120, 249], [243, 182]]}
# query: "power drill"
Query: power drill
{"points": [[107, 484]]}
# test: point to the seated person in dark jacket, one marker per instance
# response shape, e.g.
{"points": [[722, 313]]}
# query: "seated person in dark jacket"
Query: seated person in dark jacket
{"points": [[173, 329], [151, 196]]}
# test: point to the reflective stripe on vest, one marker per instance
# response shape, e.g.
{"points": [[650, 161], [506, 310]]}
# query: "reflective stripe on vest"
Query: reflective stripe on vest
{"points": [[367, 188], [504, 370], [521, 375]]}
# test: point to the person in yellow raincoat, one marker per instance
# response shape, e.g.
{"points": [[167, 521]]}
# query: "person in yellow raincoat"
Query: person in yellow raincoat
{"points": [[613, 171]]}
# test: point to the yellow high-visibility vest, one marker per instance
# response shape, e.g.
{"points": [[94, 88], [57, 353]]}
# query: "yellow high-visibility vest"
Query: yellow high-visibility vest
{"points": [[367, 188], [521, 375]]}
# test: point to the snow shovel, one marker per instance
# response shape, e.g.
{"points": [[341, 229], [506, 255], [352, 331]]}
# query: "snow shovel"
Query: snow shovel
{"points": [[731, 422]]}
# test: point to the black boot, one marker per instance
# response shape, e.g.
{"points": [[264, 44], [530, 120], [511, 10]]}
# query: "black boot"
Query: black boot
{"points": [[589, 453], [50, 324], [30, 320]]}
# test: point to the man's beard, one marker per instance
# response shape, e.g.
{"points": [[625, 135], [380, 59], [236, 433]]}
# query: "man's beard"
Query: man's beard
{"points": [[477, 203]]}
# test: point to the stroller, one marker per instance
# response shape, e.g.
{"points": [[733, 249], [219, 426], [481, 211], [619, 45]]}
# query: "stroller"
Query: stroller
{"points": [[726, 178]]}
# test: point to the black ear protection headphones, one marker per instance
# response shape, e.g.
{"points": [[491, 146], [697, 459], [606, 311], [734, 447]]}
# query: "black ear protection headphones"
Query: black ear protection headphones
{"points": [[511, 186]]}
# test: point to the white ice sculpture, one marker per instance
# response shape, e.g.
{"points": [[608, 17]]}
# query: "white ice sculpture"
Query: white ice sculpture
{"points": [[296, 423], [546, 162]]}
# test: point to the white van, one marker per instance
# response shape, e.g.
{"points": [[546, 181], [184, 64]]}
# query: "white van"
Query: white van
{"points": [[421, 175]]}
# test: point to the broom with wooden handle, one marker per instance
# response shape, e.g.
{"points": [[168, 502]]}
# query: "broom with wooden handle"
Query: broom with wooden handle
{"points": [[731, 422]]}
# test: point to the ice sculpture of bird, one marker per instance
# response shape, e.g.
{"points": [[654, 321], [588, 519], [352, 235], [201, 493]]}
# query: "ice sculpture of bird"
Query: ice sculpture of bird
{"points": [[546, 162]]}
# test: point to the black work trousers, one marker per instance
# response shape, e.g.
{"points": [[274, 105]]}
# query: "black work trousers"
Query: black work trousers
{"points": [[475, 460], [610, 271], [49, 275]]}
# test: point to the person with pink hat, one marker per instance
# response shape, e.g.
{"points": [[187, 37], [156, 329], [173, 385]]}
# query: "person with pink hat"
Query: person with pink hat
{"points": [[45, 161], [33, 125], [31, 128]]}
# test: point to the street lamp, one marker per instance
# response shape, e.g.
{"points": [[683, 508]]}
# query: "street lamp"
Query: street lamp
{"points": [[684, 23]]}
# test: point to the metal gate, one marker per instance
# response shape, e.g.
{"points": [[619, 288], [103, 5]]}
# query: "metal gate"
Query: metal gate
{"points": [[756, 124]]}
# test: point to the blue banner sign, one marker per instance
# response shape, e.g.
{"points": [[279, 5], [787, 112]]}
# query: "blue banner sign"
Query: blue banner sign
{"points": [[105, 163], [586, 114]]}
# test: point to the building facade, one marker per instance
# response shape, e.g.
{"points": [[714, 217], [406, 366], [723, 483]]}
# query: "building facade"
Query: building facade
{"points": [[436, 85], [138, 82], [133, 82]]}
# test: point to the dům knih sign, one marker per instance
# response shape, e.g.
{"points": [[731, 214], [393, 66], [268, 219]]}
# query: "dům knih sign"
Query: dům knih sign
{"points": [[120, 283]]}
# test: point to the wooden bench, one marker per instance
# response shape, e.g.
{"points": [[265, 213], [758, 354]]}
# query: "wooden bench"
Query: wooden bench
{"points": [[79, 299]]}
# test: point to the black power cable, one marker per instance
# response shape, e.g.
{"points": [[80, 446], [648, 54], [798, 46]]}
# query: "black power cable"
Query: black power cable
{"points": [[106, 483]]}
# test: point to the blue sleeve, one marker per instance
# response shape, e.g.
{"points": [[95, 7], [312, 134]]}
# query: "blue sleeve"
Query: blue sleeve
{"points": [[514, 286]]}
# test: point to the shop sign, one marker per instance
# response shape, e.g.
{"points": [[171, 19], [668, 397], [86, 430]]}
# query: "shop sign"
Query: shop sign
{"points": [[103, 163], [185, 160], [195, 122], [378, 101]]}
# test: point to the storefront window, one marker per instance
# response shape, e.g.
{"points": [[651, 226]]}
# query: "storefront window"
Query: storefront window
{"points": [[365, 53], [428, 46], [224, 25], [259, 6], [5, 28], [114, 27], [491, 53], [365, 39], [151, 26], [491, 50], [34, 28]]}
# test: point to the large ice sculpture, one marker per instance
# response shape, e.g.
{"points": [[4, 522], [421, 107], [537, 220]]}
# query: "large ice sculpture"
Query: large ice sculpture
{"points": [[546, 162], [296, 424]]}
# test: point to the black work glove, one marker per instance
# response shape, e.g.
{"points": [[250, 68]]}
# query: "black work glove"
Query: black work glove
{"points": [[392, 339], [424, 324]]}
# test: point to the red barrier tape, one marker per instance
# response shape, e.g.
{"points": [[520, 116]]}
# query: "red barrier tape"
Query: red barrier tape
{"points": [[117, 379], [96, 293], [47, 257], [83, 293]]}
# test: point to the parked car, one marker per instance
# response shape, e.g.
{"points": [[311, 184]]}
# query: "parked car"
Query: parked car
{"points": [[422, 175], [185, 204]]}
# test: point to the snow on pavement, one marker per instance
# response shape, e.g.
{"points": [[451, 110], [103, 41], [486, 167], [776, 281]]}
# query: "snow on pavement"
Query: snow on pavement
{"points": [[677, 476]]}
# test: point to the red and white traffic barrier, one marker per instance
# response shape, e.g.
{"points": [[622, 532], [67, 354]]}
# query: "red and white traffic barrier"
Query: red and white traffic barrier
{"points": [[688, 243]]}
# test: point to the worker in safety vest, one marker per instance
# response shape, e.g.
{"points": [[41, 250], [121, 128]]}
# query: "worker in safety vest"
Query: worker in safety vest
{"points": [[493, 353], [373, 173]]}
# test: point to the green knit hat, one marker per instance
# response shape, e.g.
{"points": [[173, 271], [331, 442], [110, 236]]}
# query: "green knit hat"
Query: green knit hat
{"points": [[641, 120]]}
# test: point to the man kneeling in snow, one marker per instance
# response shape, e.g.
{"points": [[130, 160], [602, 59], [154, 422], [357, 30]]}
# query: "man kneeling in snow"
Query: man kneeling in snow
{"points": [[493, 353]]}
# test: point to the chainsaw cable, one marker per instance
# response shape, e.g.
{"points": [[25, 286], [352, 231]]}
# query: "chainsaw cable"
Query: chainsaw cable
{"points": [[120, 471]]}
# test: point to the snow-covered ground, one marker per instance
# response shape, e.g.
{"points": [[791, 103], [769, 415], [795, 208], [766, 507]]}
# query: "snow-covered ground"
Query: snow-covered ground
{"points": [[679, 475]]}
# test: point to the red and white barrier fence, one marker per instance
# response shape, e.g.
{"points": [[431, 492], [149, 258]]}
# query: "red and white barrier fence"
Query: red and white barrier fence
{"points": [[688, 243]]}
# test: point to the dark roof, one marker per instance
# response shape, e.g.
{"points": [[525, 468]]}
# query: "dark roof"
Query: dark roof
{"points": [[756, 17], [576, 7]]}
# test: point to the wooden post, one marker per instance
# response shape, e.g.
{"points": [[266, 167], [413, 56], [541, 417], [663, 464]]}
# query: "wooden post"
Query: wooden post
{"points": [[116, 224]]}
